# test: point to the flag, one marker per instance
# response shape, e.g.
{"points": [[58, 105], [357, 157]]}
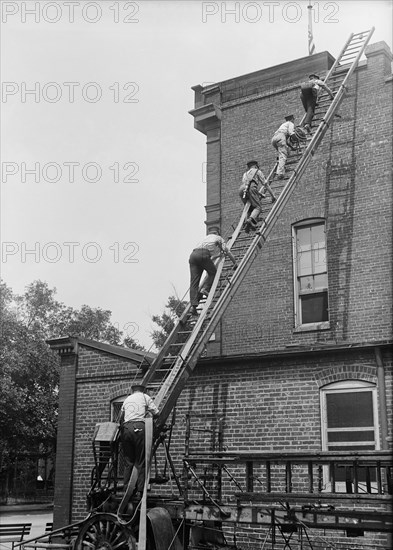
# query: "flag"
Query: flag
{"points": [[311, 45]]}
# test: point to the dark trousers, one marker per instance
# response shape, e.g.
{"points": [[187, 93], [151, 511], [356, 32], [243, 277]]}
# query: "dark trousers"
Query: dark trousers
{"points": [[254, 197], [200, 261], [309, 100], [133, 443]]}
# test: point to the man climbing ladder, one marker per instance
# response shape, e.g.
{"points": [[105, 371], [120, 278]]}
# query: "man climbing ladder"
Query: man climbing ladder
{"points": [[249, 191]]}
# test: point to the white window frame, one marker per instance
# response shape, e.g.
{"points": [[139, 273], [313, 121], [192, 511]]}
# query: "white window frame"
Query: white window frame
{"points": [[346, 386], [121, 399], [299, 325], [115, 418]]}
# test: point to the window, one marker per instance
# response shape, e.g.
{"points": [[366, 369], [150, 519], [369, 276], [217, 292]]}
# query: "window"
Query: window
{"points": [[349, 423], [115, 417], [310, 274], [116, 408]]}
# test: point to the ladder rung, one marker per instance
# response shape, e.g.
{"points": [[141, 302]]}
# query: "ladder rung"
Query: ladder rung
{"points": [[357, 39], [353, 53], [350, 55], [364, 34], [348, 58], [337, 77], [356, 47]]}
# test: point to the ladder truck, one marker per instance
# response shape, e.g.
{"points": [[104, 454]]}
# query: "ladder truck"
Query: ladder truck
{"points": [[115, 521]]}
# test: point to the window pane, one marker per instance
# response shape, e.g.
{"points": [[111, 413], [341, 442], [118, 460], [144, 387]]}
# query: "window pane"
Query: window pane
{"points": [[320, 281], [311, 274], [306, 283], [303, 238], [314, 307], [346, 473], [304, 263], [320, 260], [353, 435], [349, 409], [351, 448], [116, 411], [318, 234]]}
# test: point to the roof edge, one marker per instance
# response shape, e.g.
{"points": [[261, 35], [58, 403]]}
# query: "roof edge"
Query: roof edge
{"points": [[300, 350], [70, 344]]}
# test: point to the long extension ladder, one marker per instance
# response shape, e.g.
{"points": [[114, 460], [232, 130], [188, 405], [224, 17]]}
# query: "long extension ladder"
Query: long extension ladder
{"points": [[170, 370]]}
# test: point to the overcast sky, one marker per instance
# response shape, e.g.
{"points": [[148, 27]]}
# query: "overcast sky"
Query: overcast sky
{"points": [[103, 189]]}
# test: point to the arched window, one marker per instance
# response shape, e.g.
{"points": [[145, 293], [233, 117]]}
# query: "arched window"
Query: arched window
{"points": [[349, 421], [349, 416], [310, 275], [115, 417], [116, 407]]}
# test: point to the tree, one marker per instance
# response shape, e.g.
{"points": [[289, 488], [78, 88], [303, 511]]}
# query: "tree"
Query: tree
{"points": [[167, 320], [29, 369], [28, 378], [129, 342]]}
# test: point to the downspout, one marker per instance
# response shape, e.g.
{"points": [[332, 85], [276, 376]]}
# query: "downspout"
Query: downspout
{"points": [[382, 402], [382, 397]]}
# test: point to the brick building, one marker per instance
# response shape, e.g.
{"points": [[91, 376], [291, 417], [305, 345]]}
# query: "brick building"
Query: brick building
{"points": [[301, 359]]}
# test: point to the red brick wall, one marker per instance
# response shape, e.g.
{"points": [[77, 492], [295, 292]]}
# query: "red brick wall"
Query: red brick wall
{"points": [[348, 182], [269, 404], [99, 378], [272, 403], [65, 441]]}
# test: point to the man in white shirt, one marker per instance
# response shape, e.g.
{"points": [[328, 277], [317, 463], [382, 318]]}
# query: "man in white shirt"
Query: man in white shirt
{"points": [[202, 259], [134, 410], [309, 96], [279, 142]]}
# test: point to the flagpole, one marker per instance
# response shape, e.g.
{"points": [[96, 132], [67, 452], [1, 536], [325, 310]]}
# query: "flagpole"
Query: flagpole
{"points": [[311, 45]]}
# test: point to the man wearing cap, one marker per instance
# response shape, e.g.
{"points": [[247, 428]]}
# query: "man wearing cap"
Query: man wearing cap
{"points": [[134, 411], [309, 96], [249, 191], [279, 142], [202, 259]]}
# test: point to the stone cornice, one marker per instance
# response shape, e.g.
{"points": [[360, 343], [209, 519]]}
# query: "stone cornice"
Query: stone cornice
{"points": [[65, 345], [206, 117], [378, 48]]}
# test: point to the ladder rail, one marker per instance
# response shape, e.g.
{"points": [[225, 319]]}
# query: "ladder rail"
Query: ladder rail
{"points": [[155, 365], [183, 318], [353, 64], [186, 348], [239, 274], [340, 55], [182, 354]]}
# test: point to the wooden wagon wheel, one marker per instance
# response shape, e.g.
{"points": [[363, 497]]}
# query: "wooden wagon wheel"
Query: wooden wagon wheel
{"points": [[104, 532]]}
